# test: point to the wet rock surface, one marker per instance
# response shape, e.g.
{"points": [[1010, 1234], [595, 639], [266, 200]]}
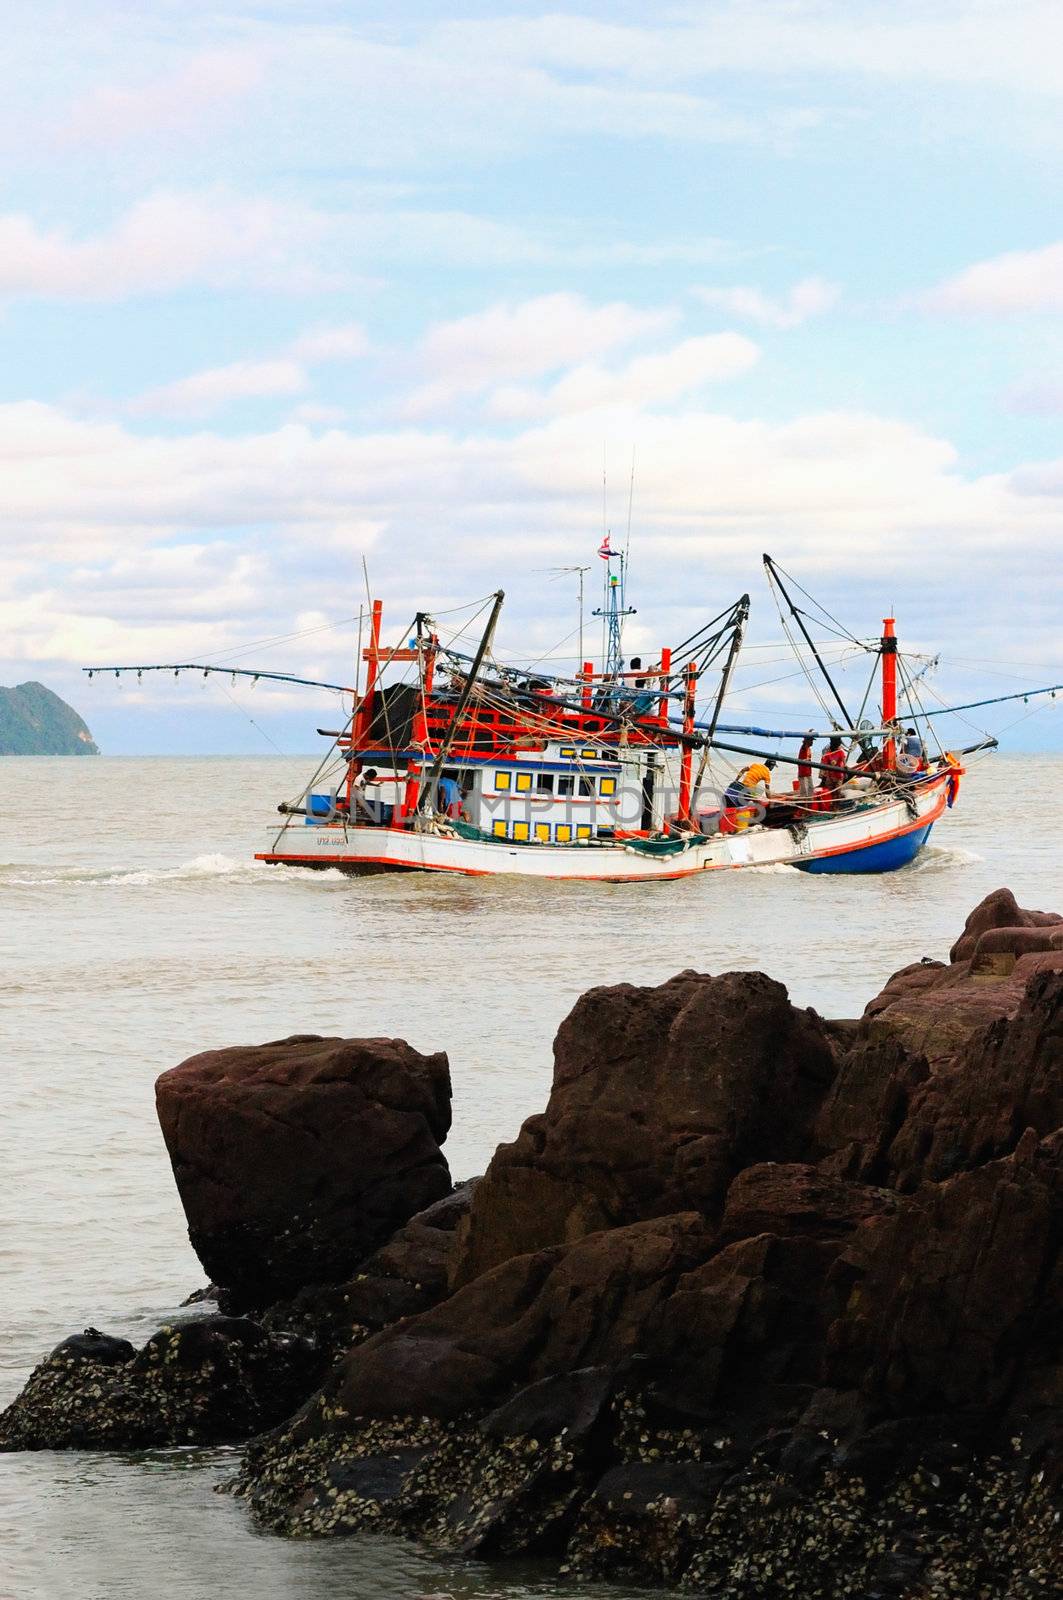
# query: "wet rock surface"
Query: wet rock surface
{"points": [[759, 1306], [660, 1096], [296, 1160], [209, 1380]]}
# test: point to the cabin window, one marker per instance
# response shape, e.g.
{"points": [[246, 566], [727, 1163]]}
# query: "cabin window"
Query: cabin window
{"points": [[583, 830], [563, 832], [544, 782], [502, 780], [565, 785], [589, 755], [607, 785], [586, 786], [498, 828], [542, 831], [520, 830], [523, 782], [568, 752]]}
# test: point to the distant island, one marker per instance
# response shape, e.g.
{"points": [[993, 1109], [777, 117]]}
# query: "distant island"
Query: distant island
{"points": [[35, 722]]}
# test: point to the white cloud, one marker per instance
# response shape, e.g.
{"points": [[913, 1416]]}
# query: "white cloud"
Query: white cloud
{"points": [[312, 413], [1011, 42], [203, 393], [189, 100], [167, 242], [1021, 280], [521, 340], [650, 380], [346, 342], [811, 297]]}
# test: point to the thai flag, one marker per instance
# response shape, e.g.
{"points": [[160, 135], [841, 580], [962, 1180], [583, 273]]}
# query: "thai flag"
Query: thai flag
{"points": [[604, 550]]}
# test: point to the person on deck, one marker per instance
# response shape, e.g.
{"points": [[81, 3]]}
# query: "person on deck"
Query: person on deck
{"points": [[751, 786], [832, 764], [368, 803], [449, 797], [911, 757], [805, 782], [745, 795]]}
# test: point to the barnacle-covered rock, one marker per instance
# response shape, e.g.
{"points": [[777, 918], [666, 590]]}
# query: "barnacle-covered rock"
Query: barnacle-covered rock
{"points": [[209, 1380]]}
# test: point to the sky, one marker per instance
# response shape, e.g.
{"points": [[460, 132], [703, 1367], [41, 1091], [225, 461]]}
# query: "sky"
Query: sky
{"points": [[296, 293]]}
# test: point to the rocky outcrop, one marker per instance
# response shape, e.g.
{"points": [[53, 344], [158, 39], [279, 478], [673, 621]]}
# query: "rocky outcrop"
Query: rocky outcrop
{"points": [[209, 1380], [296, 1160], [759, 1306], [406, 1275], [934, 1007], [659, 1097]]}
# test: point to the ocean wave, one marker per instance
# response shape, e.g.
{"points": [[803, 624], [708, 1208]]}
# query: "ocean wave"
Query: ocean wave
{"points": [[941, 857], [211, 866]]}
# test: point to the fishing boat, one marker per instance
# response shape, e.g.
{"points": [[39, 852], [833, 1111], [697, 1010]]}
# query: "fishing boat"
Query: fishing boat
{"points": [[457, 763]]}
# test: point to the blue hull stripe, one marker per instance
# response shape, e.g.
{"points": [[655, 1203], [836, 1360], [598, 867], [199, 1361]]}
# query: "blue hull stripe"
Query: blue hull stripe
{"points": [[886, 856]]}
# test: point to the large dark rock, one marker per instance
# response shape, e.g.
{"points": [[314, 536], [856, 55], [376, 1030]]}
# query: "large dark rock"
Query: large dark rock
{"points": [[933, 1008], [296, 1160], [950, 1302], [977, 1106], [535, 1316], [209, 1380], [659, 1097], [758, 1306], [406, 1275]]}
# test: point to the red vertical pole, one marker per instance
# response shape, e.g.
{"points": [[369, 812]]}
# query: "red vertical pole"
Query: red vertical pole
{"points": [[889, 687], [666, 672], [587, 675], [687, 759]]}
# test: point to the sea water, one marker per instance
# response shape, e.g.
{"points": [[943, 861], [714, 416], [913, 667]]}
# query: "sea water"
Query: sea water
{"points": [[136, 929]]}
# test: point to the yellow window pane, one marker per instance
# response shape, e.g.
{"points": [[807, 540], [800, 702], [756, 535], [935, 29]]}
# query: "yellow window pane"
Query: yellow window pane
{"points": [[499, 829], [608, 786], [523, 782], [568, 751], [589, 755], [520, 830], [564, 832], [583, 830], [501, 780], [542, 831]]}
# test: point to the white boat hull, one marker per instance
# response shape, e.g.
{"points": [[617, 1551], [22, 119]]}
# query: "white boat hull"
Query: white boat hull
{"points": [[877, 839]]}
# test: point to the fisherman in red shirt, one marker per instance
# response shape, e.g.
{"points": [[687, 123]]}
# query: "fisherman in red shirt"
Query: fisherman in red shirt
{"points": [[832, 764], [805, 782]]}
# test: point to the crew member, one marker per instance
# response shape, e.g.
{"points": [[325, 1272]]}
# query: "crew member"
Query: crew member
{"points": [[805, 781], [751, 786], [372, 805], [449, 797], [832, 764], [912, 755]]}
